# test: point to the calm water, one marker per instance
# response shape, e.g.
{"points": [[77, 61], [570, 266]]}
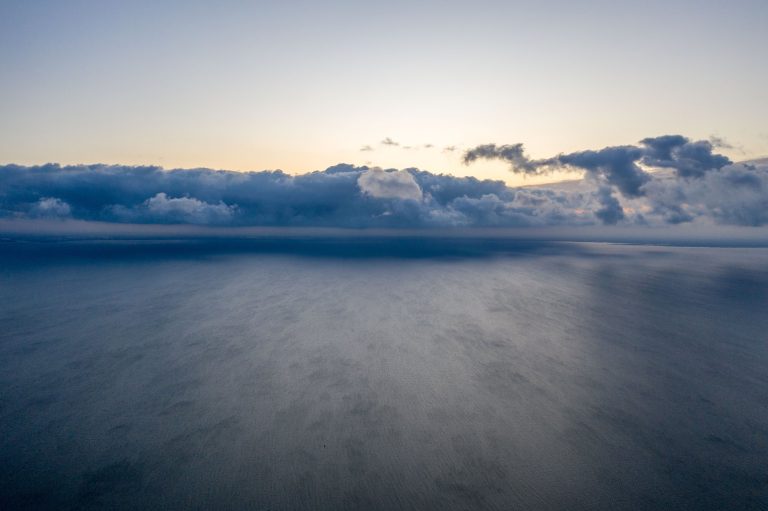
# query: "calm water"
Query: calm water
{"points": [[383, 377]]}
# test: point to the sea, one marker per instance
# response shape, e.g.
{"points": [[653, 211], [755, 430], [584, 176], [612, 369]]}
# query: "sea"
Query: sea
{"points": [[382, 374]]}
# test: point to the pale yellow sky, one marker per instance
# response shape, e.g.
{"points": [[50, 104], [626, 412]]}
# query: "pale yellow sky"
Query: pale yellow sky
{"points": [[302, 86]]}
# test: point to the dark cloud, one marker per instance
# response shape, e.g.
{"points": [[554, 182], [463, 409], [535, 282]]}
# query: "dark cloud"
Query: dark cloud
{"points": [[687, 158], [389, 141], [512, 154], [366, 148], [624, 168], [690, 184], [340, 196], [616, 165], [610, 211]]}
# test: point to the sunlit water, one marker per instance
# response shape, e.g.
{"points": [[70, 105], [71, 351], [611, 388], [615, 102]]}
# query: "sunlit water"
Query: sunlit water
{"points": [[566, 377]]}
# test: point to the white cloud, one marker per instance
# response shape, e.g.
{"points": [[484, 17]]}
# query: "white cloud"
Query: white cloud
{"points": [[393, 184], [51, 207]]}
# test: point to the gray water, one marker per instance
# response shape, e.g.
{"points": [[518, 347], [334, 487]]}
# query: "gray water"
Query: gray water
{"points": [[545, 377]]}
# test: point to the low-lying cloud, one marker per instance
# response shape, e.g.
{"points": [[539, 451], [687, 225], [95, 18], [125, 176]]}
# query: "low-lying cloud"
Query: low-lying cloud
{"points": [[340, 196], [662, 180], [670, 177], [396, 184]]}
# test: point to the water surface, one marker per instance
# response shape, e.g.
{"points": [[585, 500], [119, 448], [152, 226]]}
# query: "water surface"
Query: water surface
{"points": [[492, 376]]}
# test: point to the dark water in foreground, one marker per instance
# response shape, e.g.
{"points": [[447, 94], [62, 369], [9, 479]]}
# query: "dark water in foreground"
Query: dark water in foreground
{"points": [[544, 377]]}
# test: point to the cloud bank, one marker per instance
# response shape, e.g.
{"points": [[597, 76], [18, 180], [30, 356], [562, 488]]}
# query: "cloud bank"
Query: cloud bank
{"points": [[694, 185], [694, 182], [340, 196]]}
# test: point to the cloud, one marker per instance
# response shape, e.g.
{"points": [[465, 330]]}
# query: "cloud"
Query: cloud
{"points": [[720, 143], [623, 168], [513, 154], [691, 185], [394, 184], [618, 165], [389, 142], [340, 196], [610, 211], [163, 209], [50, 207], [687, 158], [734, 195]]}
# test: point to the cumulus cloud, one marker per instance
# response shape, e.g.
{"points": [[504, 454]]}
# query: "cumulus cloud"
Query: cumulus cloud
{"points": [[735, 195], [691, 185], [610, 211], [618, 165], [50, 207], [163, 209], [687, 158], [340, 196], [622, 168], [393, 184]]}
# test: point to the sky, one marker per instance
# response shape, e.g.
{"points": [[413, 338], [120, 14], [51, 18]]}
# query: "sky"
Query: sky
{"points": [[302, 86]]}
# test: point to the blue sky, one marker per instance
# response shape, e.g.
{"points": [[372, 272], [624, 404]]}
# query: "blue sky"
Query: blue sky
{"points": [[304, 85]]}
